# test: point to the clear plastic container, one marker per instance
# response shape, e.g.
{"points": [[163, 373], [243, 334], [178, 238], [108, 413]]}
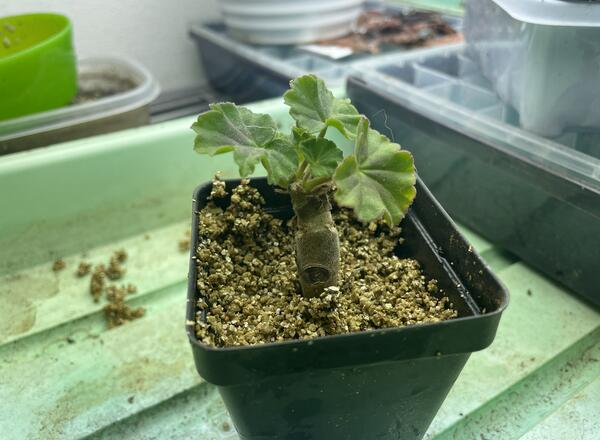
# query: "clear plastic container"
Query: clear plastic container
{"points": [[537, 197], [541, 56], [130, 88], [289, 21], [245, 72]]}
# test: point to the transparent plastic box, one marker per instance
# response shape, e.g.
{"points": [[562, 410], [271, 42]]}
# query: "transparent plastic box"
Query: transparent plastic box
{"points": [[542, 57], [288, 22], [536, 197], [245, 72], [94, 115]]}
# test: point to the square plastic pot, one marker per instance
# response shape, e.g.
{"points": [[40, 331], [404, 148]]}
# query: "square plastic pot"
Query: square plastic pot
{"points": [[384, 384]]}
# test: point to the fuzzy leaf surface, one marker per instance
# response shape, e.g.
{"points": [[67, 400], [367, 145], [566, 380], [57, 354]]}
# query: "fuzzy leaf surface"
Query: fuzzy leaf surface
{"points": [[251, 136], [314, 107], [322, 155], [280, 159], [378, 179]]}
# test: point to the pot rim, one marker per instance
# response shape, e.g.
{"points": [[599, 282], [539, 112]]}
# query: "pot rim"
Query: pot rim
{"points": [[295, 343]]}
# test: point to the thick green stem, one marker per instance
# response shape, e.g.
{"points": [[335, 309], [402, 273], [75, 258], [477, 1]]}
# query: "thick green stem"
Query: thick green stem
{"points": [[317, 242]]}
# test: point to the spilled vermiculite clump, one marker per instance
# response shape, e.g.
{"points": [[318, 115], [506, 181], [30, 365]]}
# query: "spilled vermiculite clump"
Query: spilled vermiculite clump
{"points": [[247, 273], [117, 312]]}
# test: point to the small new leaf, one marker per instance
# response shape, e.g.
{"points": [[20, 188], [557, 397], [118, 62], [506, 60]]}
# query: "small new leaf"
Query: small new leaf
{"points": [[227, 127], [299, 135], [378, 179], [322, 155], [314, 107]]}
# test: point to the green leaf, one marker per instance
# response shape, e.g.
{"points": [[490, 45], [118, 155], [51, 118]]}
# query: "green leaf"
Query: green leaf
{"points": [[280, 159], [344, 117], [314, 107], [299, 135], [227, 127], [322, 155], [378, 179], [247, 158]]}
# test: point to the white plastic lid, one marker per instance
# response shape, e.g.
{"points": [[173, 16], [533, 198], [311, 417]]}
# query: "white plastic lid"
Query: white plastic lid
{"points": [[584, 13]]}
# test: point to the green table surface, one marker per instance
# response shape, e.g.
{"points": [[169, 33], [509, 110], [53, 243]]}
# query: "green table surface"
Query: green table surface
{"points": [[63, 374]]}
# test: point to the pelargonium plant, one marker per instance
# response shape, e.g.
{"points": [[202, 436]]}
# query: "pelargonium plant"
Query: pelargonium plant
{"points": [[377, 180]]}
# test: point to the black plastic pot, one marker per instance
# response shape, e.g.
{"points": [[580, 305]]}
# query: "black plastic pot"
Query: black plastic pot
{"points": [[382, 384]]}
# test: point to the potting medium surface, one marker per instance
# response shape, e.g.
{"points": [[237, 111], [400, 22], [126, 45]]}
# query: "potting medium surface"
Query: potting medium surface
{"points": [[239, 245], [65, 374]]}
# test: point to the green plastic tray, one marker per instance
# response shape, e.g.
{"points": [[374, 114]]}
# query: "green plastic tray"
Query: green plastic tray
{"points": [[64, 375]]}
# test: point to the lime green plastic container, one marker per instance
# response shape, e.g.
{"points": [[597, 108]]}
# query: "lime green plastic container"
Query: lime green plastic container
{"points": [[37, 64]]}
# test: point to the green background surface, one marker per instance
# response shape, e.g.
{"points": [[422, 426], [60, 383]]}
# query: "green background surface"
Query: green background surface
{"points": [[63, 374]]}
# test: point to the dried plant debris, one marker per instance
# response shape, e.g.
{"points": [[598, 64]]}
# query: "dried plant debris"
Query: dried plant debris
{"points": [[58, 265], [413, 29], [247, 271]]}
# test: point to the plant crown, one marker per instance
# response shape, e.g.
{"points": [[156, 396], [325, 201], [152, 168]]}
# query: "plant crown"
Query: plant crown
{"points": [[377, 180]]}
